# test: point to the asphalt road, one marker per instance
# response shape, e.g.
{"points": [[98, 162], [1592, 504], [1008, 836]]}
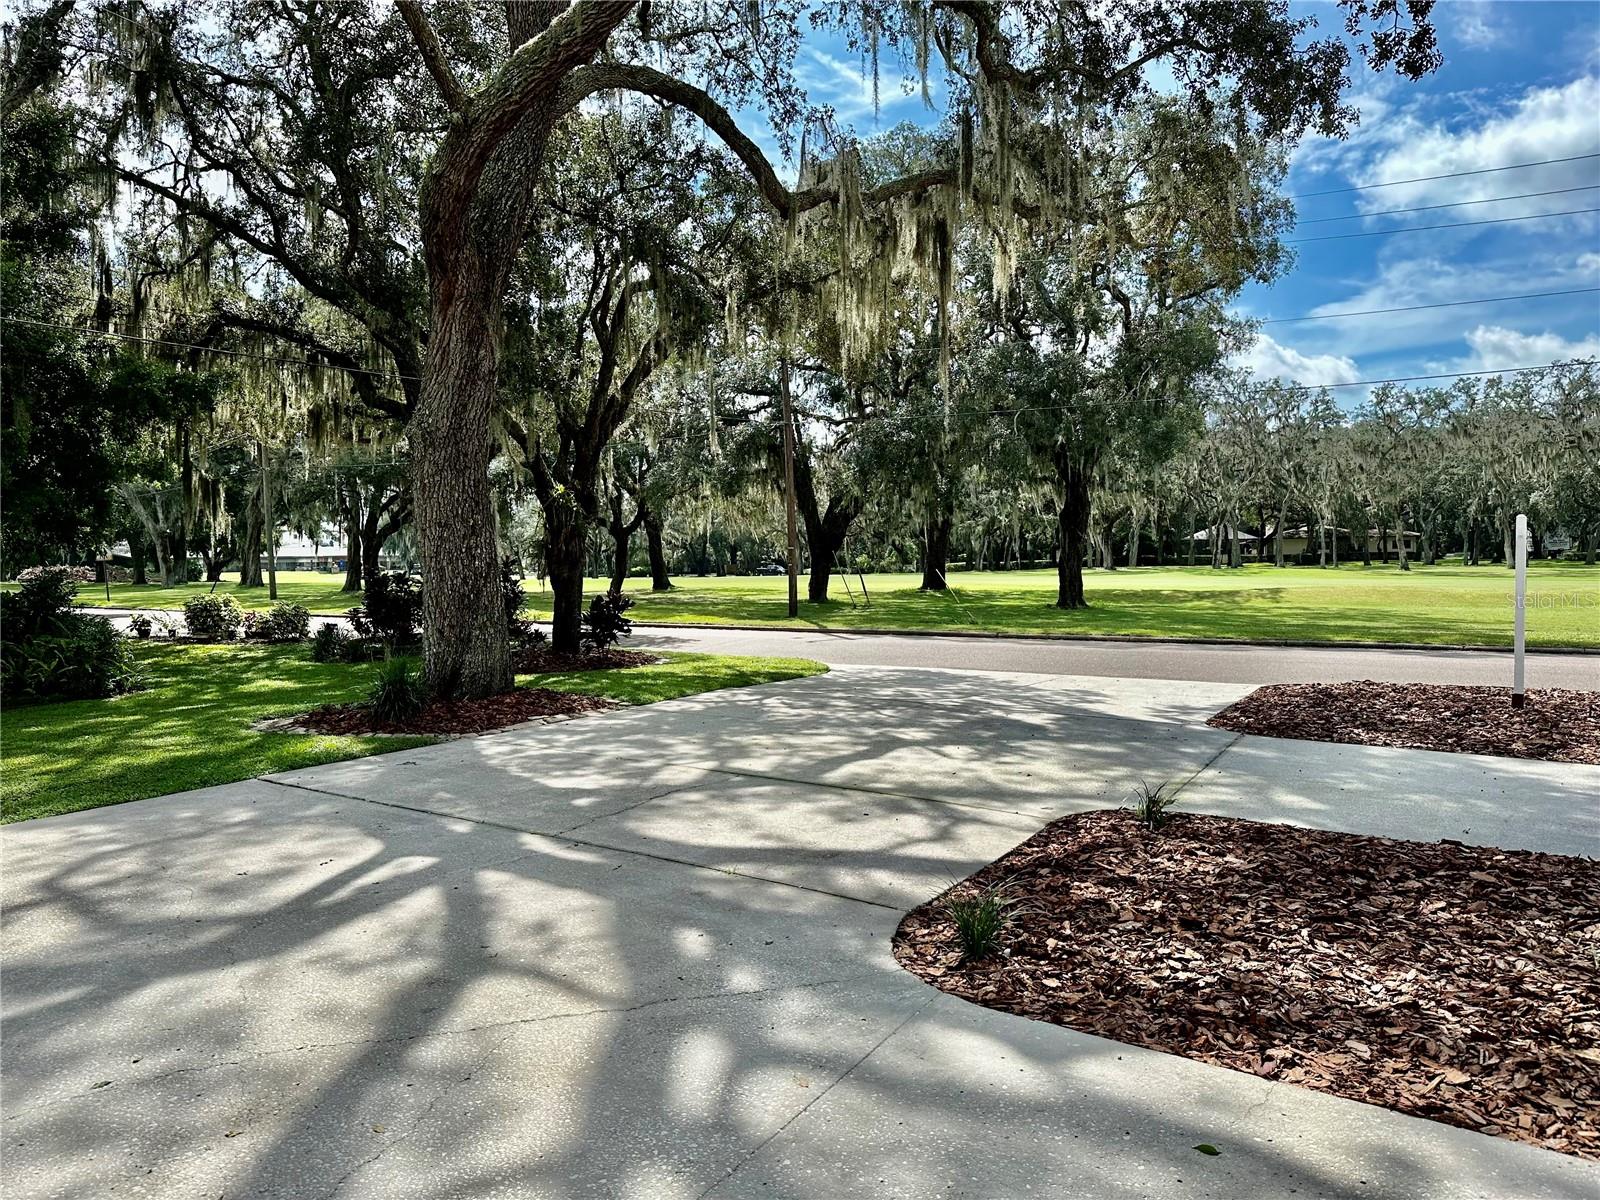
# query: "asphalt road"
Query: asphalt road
{"points": [[1120, 660], [1137, 660]]}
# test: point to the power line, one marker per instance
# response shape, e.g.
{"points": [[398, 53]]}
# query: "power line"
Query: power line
{"points": [[1365, 187], [1316, 387], [1339, 237], [1394, 212], [1374, 312], [1309, 387]]}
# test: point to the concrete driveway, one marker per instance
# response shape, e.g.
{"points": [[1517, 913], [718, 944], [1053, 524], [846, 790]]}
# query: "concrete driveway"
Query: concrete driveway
{"points": [[646, 954]]}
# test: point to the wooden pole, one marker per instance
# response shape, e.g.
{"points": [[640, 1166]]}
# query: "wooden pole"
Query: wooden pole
{"points": [[788, 488]]}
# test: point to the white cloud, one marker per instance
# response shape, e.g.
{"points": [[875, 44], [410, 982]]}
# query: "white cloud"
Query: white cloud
{"points": [[847, 88], [1268, 358], [1444, 278], [1495, 346], [1543, 123], [1475, 23]]}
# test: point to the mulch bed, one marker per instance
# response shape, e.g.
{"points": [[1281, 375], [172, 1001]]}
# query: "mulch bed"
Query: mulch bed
{"points": [[1446, 981], [456, 717], [1556, 723], [542, 659]]}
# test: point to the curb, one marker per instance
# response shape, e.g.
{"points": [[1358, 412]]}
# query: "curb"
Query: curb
{"points": [[1133, 638]]}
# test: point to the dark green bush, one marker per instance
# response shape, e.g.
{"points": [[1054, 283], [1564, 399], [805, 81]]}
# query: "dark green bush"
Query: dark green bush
{"points": [[83, 660], [328, 645], [42, 603], [283, 622], [604, 622], [398, 692], [511, 593], [213, 617], [391, 610]]}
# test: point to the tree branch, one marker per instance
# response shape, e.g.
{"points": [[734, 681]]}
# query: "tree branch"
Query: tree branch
{"points": [[433, 56]]}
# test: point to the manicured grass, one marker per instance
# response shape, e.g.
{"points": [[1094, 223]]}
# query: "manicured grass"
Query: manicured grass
{"points": [[1445, 604], [191, 727]]}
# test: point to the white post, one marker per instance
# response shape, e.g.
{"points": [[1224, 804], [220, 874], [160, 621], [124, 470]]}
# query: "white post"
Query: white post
{"points": [[1518, 688]]}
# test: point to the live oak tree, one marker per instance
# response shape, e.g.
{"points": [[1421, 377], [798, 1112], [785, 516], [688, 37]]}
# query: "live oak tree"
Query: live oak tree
{"points": [[315, 119], [620, 278]]}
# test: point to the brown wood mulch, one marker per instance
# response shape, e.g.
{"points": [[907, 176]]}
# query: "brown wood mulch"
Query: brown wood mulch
{"points": [[1446, 981], [1556, 723], [456, 717], [538, 660]]}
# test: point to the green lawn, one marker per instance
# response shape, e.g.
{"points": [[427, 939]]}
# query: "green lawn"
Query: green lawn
{"points": [[191, 728], [1441, 604]]}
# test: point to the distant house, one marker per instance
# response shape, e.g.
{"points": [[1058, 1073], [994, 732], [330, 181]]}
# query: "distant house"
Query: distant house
{"points": [[1301, 541], [324, 552]]}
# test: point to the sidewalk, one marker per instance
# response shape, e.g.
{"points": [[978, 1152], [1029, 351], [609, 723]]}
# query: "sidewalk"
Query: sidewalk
{"points": [[646, 954]]}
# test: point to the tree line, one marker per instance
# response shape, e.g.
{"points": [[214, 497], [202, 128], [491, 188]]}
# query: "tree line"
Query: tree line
{"points": [[447, 270]]}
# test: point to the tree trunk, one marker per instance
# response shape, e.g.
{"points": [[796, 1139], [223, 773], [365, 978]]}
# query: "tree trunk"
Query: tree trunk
{"points": [[136, 553], [269, 525], [175, 564], [1277, 531], [467, 653], [1072, 526], [214, 564], [565, 536], [1510, 545], [1589, 540], [659, 580], [250, 546], [1133, 538], [353, 560], [936, 553], [621, 541]]}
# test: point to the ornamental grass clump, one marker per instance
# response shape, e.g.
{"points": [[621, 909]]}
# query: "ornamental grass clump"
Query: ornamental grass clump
{"points": [[398, 692], [1150, 804], [979, 918]]}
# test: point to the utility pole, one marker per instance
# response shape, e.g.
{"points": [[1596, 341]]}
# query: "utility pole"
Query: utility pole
{"points": [[267, 524], [788, 487]]}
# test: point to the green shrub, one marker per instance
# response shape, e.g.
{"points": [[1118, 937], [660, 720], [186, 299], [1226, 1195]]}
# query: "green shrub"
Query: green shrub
{"points": [[83, 660], [1150, 804], [979, 919], [397, 693], [213, 617], [140, 625], [284, 622], [604, 622], [390, 610], [512, 594], [329, 642], [42, 603]]}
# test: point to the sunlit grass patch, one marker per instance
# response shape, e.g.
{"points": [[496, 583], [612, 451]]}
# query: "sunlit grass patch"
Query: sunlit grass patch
{"points": [[192, 728]]}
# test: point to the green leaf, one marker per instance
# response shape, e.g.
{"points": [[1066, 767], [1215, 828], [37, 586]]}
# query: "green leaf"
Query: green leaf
{"points": [[1208, 1149]]}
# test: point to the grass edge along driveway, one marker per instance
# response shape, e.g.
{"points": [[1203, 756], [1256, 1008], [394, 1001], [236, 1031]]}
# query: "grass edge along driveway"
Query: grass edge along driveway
{"points": [[190, 728], [1447, 604]]}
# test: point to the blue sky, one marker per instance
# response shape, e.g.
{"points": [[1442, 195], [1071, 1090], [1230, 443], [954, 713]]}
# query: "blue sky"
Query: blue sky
{"points": [[1520, 84]]}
